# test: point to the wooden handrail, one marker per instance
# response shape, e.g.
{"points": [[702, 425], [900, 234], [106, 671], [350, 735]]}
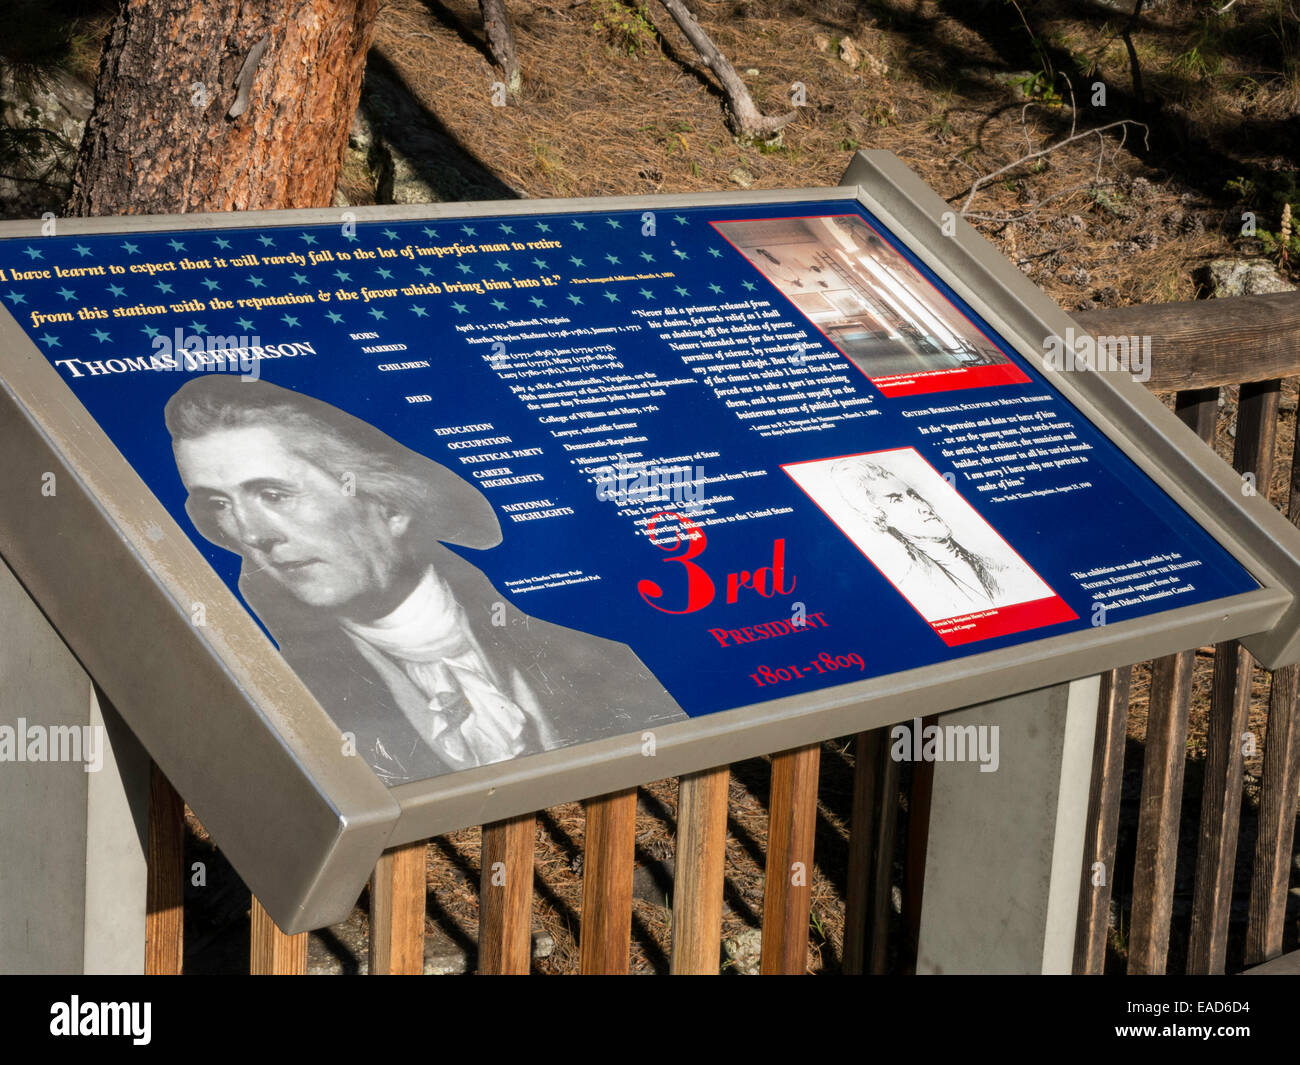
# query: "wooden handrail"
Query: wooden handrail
{"points": [[1210, 343]]}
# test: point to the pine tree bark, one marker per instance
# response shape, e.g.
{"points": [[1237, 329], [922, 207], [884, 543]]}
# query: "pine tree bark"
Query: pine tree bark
{"points": [[222, 105]]}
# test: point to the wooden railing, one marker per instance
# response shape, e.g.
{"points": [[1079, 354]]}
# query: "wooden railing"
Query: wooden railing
{"points": [[1198, 349]]}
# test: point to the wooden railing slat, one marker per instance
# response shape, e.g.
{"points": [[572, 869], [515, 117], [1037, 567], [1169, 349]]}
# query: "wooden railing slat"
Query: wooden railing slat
{"points": [[863, 831], [1159, 812], [1271, 868], [1216, 852], [164, 923], [505, 927], [919, 801], [1103, 822], [882, 873], [270, 951], [699, 871], [397, 900], [1162, 769], [787, 893], [609, 851]]}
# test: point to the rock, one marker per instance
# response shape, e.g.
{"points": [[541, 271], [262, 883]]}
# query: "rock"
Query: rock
{"points": [[821, 42], [1241, 277], [850, 53], [743, 951], [361, 134], [402, 181], [1015, 80], [877, 68], [751, 72], [742, 177], [62, 106]]}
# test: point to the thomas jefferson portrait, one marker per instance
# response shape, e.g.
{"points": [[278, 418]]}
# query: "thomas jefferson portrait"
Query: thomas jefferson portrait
{"points": [[345, 539], [944, 559]]}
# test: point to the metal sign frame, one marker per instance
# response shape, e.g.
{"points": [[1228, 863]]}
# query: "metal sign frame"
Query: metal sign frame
{"points": [[244, 741]]}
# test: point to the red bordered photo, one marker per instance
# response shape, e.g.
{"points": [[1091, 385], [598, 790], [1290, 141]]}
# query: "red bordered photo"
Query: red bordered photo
{"points": [[867, 300]]}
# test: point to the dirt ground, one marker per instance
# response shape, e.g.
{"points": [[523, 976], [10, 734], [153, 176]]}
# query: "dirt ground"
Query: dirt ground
{"points": [[614, 101]]}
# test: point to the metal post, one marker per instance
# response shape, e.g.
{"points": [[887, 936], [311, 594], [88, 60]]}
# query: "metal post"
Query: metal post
{"points": [[72, 832], [1004, 864]]}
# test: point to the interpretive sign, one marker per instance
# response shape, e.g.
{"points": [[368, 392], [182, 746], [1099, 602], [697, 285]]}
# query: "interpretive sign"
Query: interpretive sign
{"points": [[518, 479]]}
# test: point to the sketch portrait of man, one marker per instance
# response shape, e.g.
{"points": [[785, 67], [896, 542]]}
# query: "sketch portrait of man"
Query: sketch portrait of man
{"points": [[944, 559], [343, 535]]}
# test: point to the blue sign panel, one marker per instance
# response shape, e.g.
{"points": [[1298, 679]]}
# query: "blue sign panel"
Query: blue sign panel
{"points": [[506, 484]]}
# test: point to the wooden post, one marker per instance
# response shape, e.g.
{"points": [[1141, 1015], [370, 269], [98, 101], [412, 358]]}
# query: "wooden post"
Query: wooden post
{"points": [[1216, 852], [1162, 768], [397, 900], [863, 832], [1103, 822], [270, 951], [871, 854], [697, 883], [918, 842], [787, 894], [164, 923], [882, 872], [505, 926], [1159, 813], [610, 844], [1271, 872]]}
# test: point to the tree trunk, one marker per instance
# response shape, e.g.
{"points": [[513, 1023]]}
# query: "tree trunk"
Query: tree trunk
{"points": [[501, 40], [746, 120], [222, 105]]}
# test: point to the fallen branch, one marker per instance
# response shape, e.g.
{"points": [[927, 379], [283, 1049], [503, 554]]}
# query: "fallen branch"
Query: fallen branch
{"points": [[745, 119], [979, 183], [501, 41]]}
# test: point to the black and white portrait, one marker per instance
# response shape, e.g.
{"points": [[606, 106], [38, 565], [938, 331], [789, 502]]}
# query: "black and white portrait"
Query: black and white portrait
{"points": [[928, 542], [343, 535]]}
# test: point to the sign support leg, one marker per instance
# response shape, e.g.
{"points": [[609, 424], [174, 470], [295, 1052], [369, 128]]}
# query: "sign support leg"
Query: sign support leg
{"points": [[74, 800], [1004, 865]]}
